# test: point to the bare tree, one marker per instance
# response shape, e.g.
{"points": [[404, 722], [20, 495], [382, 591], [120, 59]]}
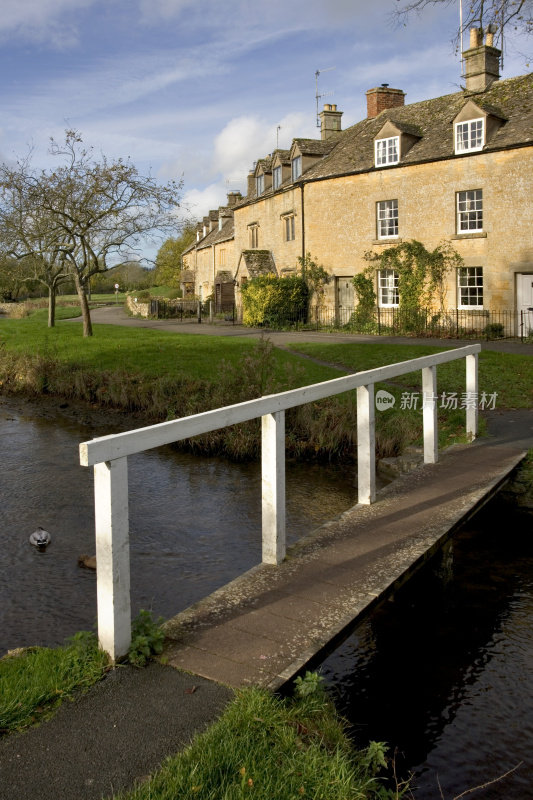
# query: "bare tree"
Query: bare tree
{"points": [[504, 14], [29, 239], [78, 218]]}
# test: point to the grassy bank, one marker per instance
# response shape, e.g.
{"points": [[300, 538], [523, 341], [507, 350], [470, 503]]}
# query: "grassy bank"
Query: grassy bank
{"points": [[266, 748], [261, 746], [165, 375], [36, 680]]}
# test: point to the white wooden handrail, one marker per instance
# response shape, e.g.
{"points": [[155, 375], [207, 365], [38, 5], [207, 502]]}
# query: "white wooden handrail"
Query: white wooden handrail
{"points": [[108, 455]]}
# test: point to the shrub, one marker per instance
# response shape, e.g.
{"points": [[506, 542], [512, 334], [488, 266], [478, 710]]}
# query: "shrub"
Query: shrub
{"points": [[146, 638], [271, 301], [494, 330]]}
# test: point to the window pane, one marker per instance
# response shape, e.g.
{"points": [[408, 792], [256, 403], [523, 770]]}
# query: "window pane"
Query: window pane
{"points": [[470, 210], [388, 287], [296, 166], [470, 286], [469, 135], [387, 151], [277, 177], [387, 219]]}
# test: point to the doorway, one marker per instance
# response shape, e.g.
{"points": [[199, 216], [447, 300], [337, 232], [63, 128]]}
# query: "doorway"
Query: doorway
{"points": [[524, 303], [344, 299]]}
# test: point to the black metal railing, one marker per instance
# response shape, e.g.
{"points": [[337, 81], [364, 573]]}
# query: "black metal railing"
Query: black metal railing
{"points": [[194, 311], [451, 324]]}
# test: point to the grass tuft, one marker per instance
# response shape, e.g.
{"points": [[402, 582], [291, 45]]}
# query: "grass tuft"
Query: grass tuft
{"points": [[263, 747], [35, 680]]}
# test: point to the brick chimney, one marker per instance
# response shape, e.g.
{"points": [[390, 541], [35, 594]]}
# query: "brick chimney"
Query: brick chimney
{"points": [[380, 98], [482, 61], [330, 121]]}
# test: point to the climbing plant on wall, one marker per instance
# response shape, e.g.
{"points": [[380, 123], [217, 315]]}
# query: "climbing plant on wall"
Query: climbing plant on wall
{"points": [[363, 284], [421, 273], [315, 276]]}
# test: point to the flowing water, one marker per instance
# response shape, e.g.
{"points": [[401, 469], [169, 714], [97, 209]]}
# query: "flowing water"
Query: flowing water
{"points": [[195, 523], [443, 672]]}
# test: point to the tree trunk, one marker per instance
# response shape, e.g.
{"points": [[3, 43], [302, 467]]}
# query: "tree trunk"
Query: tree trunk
{"points": [[51, 306], [84, 305]]}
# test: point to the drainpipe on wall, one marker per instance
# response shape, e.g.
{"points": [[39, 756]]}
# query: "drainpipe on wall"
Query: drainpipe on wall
{"points": [[214, 290], [303, 222]]}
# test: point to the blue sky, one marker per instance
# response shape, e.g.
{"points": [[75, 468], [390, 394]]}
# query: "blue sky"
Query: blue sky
{"points": [[196, 89]]}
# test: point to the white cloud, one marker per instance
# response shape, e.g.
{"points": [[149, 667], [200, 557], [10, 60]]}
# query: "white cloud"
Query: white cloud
{"points": [[47, 21], [245, 139], [198, 202]]}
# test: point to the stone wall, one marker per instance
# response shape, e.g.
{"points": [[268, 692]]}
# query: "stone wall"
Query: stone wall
{"points": [[137, 308], [269, 215], [340, 220]]}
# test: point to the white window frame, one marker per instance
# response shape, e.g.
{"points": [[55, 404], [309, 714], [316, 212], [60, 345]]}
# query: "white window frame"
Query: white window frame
{"points": [[387, 151], [470, 211], [296, 167], [260, 184], [470, 287], [387, 219], [290, 227], [254, 236], [470, 135], [276, 177], [388, 294]]}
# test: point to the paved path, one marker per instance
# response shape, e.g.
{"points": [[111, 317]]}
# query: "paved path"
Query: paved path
{"points": [[120, 731], [115, 315]]}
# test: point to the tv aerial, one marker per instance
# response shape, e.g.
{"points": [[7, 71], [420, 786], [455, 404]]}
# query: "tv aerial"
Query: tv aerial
{"points": [[319, 95]]}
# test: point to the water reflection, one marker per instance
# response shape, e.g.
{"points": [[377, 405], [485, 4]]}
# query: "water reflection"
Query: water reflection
{"points": [[443, 672], [194, 522]]}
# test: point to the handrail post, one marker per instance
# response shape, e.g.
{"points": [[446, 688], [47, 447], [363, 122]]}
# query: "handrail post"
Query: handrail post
{"points": [[472, 389], [429, 415], [273, 486], [112, 556], [366, 445]]}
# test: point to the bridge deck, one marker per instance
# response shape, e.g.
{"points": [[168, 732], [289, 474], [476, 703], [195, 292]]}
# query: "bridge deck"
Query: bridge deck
{"points": [[269, 623]]}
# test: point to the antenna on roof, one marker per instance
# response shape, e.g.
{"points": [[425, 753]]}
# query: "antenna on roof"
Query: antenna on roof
{"points": [[277, 136], [324, 94], [461, 36]]}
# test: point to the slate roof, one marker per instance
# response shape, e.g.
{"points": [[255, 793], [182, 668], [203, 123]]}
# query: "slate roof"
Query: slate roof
{"points": [[511, 100], [284, 155], [259, 262], [215, 236], [315, 147], [265, 163]]}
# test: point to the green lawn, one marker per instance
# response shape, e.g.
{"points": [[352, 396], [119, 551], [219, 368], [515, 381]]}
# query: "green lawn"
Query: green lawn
{"points": [[140, 350], [509, 375], [167, 375]]}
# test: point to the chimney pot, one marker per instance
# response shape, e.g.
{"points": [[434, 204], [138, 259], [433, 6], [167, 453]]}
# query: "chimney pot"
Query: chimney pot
{"points": [[330, 121], [476, 37], [482, 61]]}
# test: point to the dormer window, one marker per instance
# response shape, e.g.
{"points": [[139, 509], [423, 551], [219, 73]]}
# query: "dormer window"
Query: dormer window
{"points": [[387, 151], [296, 167], [276, 177], [469, 135], [259, 184]]}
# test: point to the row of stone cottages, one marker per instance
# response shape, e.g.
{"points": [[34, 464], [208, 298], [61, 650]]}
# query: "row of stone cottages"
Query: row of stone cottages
{"points": [[456, 168]]}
